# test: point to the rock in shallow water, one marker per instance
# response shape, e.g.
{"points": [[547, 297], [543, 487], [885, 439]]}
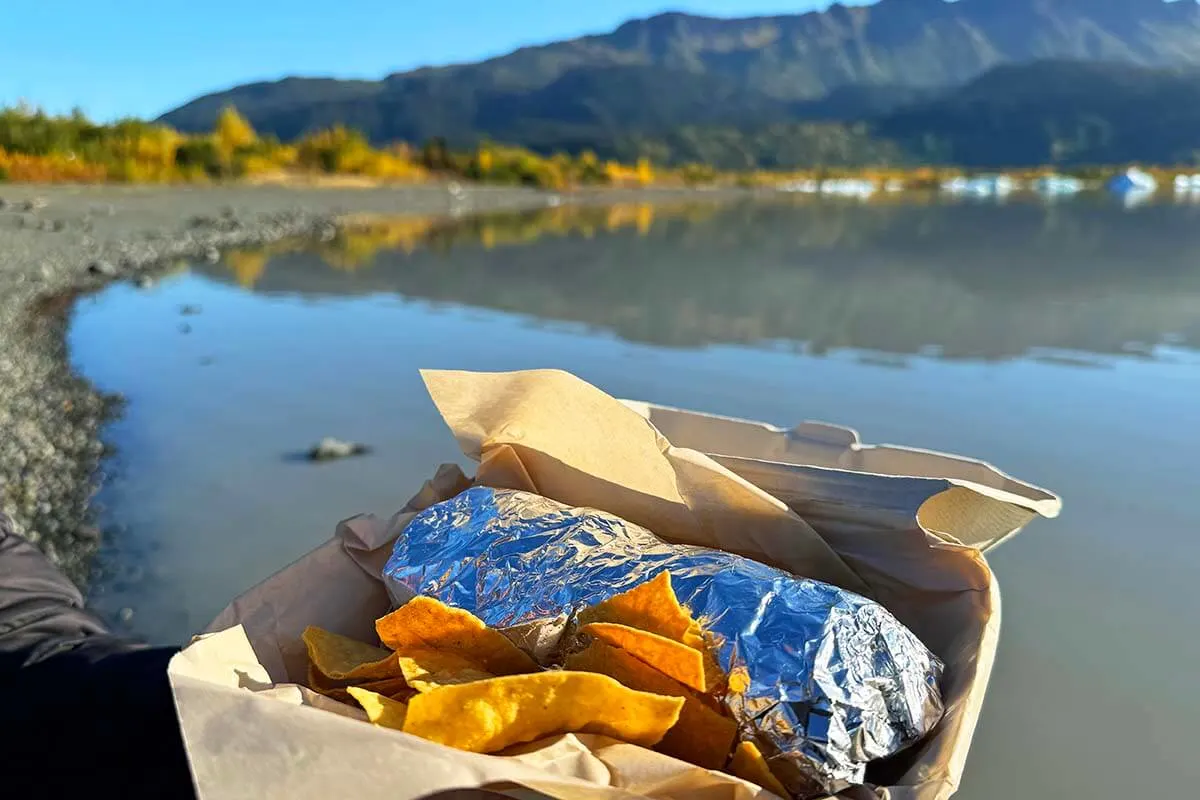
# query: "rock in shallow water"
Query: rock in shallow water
{"points": [[331, 449]]}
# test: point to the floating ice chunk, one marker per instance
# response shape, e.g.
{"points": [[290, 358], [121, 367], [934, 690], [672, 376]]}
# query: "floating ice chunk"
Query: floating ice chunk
{"points": [[1057, 185], [1000, 184], [981, 186], [1187, 183], [802, 186], [848, 187], [1133, 180], [957, 185]]}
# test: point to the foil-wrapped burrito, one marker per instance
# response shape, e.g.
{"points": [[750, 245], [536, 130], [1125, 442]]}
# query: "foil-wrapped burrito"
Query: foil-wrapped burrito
{"points": [[835, 680]]}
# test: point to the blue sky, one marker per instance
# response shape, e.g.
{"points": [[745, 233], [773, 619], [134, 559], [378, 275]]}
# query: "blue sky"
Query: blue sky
{"points": [[150, 56]]}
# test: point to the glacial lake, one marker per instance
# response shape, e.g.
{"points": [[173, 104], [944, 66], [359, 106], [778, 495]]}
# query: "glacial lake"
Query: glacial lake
{"points": [[1059, 342]]}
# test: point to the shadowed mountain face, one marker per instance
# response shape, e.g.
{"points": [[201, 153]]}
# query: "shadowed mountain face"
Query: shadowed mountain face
{"points": [[652, 76], [1056, 112], [971, 281]]}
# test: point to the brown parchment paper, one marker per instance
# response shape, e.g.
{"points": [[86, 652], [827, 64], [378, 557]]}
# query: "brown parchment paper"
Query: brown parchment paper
{"points": [[250, 732]]}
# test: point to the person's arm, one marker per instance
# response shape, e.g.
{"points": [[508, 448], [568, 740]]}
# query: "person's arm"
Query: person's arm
{"points": [[81, 710]]}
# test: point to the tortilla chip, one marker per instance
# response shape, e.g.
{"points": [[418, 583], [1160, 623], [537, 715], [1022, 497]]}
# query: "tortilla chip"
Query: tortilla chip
{"points": [[739, 680], [381, 711], [339, 658], [394, 688], [715, 679], [319, 683], [703, 737], [749, 765], [668, 656], [653, 607], [487, 716], [425, 670], [650, 606], [337, 689], [424, 623]]}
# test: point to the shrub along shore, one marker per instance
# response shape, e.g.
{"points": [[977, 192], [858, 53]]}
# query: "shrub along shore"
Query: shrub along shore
{"points": [[40, 148]]}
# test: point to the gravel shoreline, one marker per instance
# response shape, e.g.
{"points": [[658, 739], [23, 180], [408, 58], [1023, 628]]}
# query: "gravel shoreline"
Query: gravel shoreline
{"points": [[57, 243]]}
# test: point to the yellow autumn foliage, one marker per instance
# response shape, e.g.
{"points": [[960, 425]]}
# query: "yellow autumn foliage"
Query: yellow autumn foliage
{"points": [[247, 266], [56, 168], [233, 132]]}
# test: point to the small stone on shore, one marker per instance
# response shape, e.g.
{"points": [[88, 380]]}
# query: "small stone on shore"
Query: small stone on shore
{"points": [[144, 282], [331, 449], [212, 255], [101, 267]]}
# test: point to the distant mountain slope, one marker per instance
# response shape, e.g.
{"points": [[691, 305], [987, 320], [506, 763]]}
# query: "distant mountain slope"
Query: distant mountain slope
{"points": [[672, 70], [1056, 113]]}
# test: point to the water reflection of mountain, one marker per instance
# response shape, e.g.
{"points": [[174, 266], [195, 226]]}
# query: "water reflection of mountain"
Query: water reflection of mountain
{"points": [[975, 281]]}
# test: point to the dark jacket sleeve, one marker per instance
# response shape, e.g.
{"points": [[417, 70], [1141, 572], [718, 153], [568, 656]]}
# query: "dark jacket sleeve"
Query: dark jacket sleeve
{"points": [[81, 710]]}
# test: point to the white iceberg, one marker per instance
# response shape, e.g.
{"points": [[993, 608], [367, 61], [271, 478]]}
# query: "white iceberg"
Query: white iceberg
{"points": [[1133, 180], [999, 184], [802, 186], [980, 186], [957, 185], [1057, 185], [848, 187], [1187, 183]]}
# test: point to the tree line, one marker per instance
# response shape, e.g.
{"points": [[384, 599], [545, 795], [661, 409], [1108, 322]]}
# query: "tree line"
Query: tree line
{"points": [[37, 147]]}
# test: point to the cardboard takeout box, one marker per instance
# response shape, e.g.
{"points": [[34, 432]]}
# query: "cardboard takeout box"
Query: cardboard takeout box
{"points": [[906, 527]]}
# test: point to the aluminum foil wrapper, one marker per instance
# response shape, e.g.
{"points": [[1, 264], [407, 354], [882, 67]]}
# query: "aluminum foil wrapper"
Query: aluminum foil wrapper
{"points": [[835, 679]]}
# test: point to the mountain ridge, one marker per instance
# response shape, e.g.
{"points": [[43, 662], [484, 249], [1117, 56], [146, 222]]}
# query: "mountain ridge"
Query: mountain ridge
{"points": [[650, 77]]}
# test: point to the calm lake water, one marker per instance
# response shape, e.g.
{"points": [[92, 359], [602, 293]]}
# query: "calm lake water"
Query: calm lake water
{"points": [[1061, 343]]}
